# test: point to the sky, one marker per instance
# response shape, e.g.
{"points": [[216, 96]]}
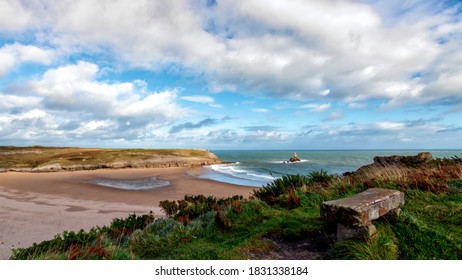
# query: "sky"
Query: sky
{"points": [[231, 74]]}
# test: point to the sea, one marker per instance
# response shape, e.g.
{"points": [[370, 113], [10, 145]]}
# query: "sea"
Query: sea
{"points": [[258, 168]]}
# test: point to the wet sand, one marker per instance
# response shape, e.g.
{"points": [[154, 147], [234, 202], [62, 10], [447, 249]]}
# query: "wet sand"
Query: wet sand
{"points": [[37, 206]]}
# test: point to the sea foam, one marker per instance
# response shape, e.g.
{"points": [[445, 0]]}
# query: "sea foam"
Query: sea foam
{"points": [[133, 185]]}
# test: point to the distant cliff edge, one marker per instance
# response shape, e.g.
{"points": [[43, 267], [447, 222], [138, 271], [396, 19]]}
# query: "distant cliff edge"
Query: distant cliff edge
{"points": [[54, 159]]}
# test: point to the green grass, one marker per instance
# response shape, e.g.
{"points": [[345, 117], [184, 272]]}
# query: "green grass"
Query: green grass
{"points": [[430, 226], [381, 246]]}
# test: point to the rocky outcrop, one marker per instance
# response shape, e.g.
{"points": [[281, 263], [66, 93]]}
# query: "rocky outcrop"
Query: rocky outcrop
{"points": [[294, 158], [397, 161], [420, 158]]}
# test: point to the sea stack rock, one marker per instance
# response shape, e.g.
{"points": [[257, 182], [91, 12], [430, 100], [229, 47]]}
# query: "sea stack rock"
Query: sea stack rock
{"points": [[294, 158]]}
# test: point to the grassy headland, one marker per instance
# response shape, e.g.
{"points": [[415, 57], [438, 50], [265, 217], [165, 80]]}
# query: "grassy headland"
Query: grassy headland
{"points": [[282, 221], [44, 159]]}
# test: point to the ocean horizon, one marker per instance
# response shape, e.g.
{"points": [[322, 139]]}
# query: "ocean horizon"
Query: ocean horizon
{"points": [[257, 168]]}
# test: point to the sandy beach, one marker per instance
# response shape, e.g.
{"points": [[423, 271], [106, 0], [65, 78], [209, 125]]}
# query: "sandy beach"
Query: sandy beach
{"points": [[37, 206]]}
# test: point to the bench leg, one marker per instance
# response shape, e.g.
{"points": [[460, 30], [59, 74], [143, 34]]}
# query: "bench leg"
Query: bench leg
{"points": [[393, 214], [348, 232]]}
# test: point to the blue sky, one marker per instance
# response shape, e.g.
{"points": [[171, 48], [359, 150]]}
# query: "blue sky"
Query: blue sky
{"points": [[253, 74]]}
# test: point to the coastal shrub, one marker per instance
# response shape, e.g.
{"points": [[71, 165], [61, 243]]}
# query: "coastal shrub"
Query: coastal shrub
{"points": [[193, 206], [132, 222], [251, 212], [170, 207], [310, 199], [271, 194], [447, 161], [284, 191], [120, 229], [85, 243], [320, 177], [60, 243], [164, 234], [96, 252]]}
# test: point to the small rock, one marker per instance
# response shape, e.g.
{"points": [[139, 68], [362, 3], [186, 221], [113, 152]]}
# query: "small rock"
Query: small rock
{"points": [[294, 158]]}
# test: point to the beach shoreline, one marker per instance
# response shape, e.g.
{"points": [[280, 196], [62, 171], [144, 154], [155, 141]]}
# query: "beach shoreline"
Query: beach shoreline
{"points": [[37, 206]]}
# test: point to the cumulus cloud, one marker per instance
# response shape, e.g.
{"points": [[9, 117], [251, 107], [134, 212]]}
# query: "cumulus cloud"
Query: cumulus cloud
{"points": [[294, 49], [71, 102], [155, 33], [29, 125], [75, 88], [15, 54], [324, 45], [14, 102]]}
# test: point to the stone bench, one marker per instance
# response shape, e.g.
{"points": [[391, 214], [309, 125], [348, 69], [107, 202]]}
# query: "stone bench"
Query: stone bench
{"points": [[354, 215]]}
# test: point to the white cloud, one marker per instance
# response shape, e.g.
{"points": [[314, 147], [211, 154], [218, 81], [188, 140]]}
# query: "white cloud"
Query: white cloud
{"points": [[10, 101], [93, 125], [355, 105], [15, 54], [340, 43], [75, 88], [203, 99], [30, 125], [390, 125], [199, 98], [217, 106], [154, 33], [260, 110], [7, 62], [295, 49], [317, 108], [33, 114], [14, 17], [447, 85], [335, 116]]}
